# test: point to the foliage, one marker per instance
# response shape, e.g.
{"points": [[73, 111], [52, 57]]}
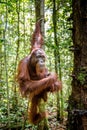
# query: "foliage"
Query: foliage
{"points": [[82, 76], [15, 37]]}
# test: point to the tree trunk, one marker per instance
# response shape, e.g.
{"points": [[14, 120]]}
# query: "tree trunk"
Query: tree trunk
{"points": [[57, 61], [39, 10], [77, 110], [5, 61], [15, 99]]}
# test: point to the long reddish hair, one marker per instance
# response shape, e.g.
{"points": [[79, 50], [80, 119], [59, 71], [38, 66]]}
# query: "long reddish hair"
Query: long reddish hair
{"points": [[37, 39]]}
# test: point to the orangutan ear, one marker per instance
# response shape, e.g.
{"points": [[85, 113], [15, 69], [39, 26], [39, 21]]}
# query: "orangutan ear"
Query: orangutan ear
{"points": [[37, 39]]}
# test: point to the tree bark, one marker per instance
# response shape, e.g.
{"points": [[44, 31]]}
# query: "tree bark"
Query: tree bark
{"points": [[77, 110]]}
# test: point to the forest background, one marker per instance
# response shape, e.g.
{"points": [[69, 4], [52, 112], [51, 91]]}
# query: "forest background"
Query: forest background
{"points": [[17, 22]]}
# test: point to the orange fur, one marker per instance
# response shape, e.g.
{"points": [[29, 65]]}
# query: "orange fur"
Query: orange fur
{"points": [[34, 81]]}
